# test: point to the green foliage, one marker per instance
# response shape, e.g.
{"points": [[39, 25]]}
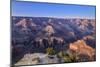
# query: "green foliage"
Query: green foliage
{"points": [[68, 58], [72, 57], [50, 51], [61, 54]]}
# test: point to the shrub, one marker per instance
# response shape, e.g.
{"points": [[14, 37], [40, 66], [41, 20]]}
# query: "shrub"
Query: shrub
{"points": [[61, 54], [50, 51], [67, 58]]}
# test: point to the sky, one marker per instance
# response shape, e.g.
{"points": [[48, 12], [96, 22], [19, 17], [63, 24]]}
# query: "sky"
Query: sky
{"points": [[35, 9]]}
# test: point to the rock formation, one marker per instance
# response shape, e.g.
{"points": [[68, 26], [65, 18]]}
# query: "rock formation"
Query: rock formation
{"points": [[81, 48]]}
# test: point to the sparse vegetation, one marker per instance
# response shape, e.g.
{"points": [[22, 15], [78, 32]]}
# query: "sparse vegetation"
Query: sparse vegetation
{"points": [[67, 58], [50, 51]]}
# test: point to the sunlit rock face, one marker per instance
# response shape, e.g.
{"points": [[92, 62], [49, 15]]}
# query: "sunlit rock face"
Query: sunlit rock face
{"points": [[37, 58], [82, 50], [24, 23], [49, 29]]}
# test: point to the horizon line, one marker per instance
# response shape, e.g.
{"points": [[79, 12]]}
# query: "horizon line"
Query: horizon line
{"points": [[56, 17]]}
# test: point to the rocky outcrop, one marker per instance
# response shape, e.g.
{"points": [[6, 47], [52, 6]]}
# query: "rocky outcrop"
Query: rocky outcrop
{"points": [[52, 41], [82, 49], [49, 30]]}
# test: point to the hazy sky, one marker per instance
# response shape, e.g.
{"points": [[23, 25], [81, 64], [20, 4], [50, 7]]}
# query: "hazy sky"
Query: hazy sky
{"points": [[52, 10]]}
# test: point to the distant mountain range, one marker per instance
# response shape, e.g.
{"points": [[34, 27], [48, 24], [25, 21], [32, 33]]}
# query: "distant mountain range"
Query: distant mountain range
{"points": [[68, 29]]}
